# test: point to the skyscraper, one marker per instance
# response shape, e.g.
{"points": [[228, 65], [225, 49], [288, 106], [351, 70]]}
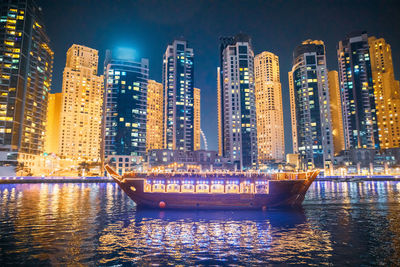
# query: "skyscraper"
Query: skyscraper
{"points": [[386, 91], [125, 111], [26, 62], [196, 122], [359, 113], [310, 98], [219, 111], [268, 95], [238, 112], [155, 113], [82, 100], [336, 112], [52, 135], [178, 82]]}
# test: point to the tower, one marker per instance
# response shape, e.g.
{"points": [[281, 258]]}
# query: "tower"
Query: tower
{"points": [[268, 99], [125, 110], [238, 110], [197, 120], [178, 82], [155, 113], [386, 92], [310, 105], [335, 104], [26, 62], [357, 92], [81, 111]]}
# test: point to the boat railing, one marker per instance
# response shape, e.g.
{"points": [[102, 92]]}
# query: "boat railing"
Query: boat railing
{"points": [[211, 175]]}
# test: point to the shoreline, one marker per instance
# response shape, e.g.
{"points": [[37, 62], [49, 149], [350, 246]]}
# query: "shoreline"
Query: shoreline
{"points": [[35, 180], [44, 180]]}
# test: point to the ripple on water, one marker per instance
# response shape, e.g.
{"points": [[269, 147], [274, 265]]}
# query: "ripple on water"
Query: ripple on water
{"points": [[96, 224]]}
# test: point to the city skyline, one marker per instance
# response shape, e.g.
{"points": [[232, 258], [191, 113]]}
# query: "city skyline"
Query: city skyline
{"points": [[286, 35], [199, 132]]}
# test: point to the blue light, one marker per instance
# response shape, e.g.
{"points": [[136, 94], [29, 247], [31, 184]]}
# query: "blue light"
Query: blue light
{"points": [[125, 53]]}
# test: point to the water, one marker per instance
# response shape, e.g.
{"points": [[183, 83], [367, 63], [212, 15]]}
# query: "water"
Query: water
{"points": [[96, 224]]}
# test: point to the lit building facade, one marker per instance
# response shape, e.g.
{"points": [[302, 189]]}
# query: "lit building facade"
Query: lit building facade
{"points": [[268, 99], [52, 135], [82, 100], [178, 82], [238, 111], [387, 93], [206, 160], [197, 120], [26, 62], [219, 111], [310, 96], [336, 112], [125, 111], [359, 112], [155, 113], [293, 117]]}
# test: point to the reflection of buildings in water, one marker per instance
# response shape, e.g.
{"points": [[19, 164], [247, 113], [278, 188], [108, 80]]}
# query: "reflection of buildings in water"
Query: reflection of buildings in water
{"points": [[192, 236], [393, 218], [56, 223], [70, 224], [361, 217], [333, 192]]}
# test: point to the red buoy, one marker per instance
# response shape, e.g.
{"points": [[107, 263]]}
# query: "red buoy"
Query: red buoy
{"points": [[162, 204], [264, 208]]}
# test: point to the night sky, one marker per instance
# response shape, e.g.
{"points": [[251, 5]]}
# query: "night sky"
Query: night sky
{"points": [[276, 26]]}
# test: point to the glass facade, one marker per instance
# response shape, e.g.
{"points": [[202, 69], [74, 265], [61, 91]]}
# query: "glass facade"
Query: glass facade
{"points": [[26, 62], [357, 92], [178, 82], [309, 82], [125, 111], [238, 101]]}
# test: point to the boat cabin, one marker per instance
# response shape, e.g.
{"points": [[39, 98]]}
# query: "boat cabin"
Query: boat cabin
{"points": [[208, 186]]}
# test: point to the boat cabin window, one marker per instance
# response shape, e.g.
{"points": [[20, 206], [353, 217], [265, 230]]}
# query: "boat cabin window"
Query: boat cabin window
{"points": [[262, 189], [232, 189], [217, 188], [158, 188], [173, 188], [187, 188], [147, 187], [246, 188], [202, 188]]}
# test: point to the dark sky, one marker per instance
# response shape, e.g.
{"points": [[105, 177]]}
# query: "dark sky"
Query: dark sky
{"points": [[276, 26]]}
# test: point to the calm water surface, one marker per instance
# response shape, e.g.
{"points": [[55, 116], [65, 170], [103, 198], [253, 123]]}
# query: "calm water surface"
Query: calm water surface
{"points": [[96, 224]]}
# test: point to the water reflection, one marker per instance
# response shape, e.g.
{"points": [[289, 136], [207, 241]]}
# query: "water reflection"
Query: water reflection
{"points": [[213, 237], [96, 224]]}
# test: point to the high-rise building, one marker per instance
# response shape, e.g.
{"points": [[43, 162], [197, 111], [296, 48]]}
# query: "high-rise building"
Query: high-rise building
{"points": [[219, 111], [178, 96], [155, 113], [82, 100], [310, 98], [387, 93], [358, 100], [268, 95], [52, 135], [26, 62], [293, 117], [125, 111], [238, 111], [336, 112], [196, 122]]}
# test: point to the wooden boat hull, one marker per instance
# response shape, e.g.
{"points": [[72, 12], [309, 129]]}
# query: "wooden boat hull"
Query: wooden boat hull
{"points": [[288, 193]]}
